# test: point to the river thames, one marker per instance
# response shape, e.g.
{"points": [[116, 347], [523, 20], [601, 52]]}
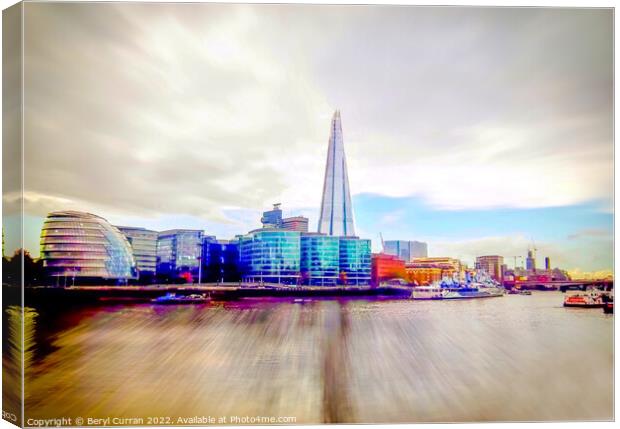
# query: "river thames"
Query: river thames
{"points": [[513, 358]]}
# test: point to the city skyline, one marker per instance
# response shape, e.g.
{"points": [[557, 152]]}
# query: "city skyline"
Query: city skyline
{"points": [[215, 117]]}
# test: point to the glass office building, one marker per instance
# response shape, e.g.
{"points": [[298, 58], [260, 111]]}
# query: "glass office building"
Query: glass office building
{"points": [[290, 257], [320, 259], [144, 246], [406, 250], [270, 256], [355, 261], [82, 245], [179, 254], [220, 259]]}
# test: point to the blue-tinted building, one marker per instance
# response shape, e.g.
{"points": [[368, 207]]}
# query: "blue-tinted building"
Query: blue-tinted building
{"points": [[290, 257], [270, 256], [320, 259], [179, 254], [355, 261], [220, 260]]}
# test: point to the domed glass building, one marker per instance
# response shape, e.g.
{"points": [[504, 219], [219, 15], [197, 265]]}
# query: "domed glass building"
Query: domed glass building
{"points": [[82, 245]]}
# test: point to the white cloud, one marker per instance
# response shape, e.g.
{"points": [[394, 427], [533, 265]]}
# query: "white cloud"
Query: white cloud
{"points": [[199, 108]]}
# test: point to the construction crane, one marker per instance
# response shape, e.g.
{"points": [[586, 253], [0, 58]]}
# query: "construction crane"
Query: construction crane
{"points": [[382, 243], [515, 259]]}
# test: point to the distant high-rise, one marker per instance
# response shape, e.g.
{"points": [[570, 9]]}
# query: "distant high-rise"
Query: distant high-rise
{"points": [[336, 216], [530, 261], [273, 219], [547, 263], [406, 250], [492, 265]]}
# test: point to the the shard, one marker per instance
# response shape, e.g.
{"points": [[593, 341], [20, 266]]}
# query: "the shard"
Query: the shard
{"points": [[336, 211]]}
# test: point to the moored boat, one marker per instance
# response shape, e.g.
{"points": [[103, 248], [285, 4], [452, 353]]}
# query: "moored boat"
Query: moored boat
{"points": [[589, 299], [452, 290], [173, 298]]}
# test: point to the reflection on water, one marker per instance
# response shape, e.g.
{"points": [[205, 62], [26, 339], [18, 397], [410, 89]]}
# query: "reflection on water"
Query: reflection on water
{"points": [[12, 356], [510, 358]]}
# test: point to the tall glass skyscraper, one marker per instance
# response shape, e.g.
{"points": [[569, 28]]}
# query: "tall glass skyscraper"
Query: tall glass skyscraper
{"points": [[336, 216]]}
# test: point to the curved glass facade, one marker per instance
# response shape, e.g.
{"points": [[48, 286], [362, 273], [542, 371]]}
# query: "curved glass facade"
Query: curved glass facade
{"points": [[77, 244], [320, 259], [355, 261], [271, 256]]}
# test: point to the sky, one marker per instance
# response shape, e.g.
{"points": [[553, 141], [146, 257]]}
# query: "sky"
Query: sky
{"points": [[478, 130]]}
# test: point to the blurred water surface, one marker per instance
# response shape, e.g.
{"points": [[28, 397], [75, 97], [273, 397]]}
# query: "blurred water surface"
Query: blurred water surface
{"points": [[514, 358]]}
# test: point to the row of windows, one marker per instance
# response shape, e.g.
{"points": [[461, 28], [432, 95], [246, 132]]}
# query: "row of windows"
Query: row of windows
{"points": [[74, 239], [73, 247], [71, 232]]}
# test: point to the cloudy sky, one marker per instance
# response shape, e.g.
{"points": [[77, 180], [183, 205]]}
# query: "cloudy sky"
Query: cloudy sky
{"points": [[479, 130]]}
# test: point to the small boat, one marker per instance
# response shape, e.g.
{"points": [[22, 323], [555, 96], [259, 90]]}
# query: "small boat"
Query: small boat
{"points": [[590, 299], [173, 298]]}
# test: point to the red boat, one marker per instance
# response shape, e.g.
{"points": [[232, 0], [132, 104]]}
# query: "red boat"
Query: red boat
{"points": [[584, 300]]}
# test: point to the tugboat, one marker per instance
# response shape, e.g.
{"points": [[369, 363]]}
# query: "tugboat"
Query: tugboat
{"points": [[173, 298]]}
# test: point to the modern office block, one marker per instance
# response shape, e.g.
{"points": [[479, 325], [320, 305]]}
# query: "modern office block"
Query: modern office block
{"points": [[320, 259], [406, 250], [144, 247], [270, 256], [179, 254], [355, 261]]}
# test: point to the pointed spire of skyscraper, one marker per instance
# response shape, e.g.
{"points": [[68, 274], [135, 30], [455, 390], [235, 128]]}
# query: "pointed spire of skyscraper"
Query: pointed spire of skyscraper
{"points": [[336, 210]]}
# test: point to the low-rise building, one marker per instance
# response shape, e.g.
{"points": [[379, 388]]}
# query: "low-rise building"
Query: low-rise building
{"points": [[423, 275], [449, 267], [386, 267]]}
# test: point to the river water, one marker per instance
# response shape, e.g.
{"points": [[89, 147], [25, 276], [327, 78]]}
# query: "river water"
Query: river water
{"points": [[514, 358]]}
